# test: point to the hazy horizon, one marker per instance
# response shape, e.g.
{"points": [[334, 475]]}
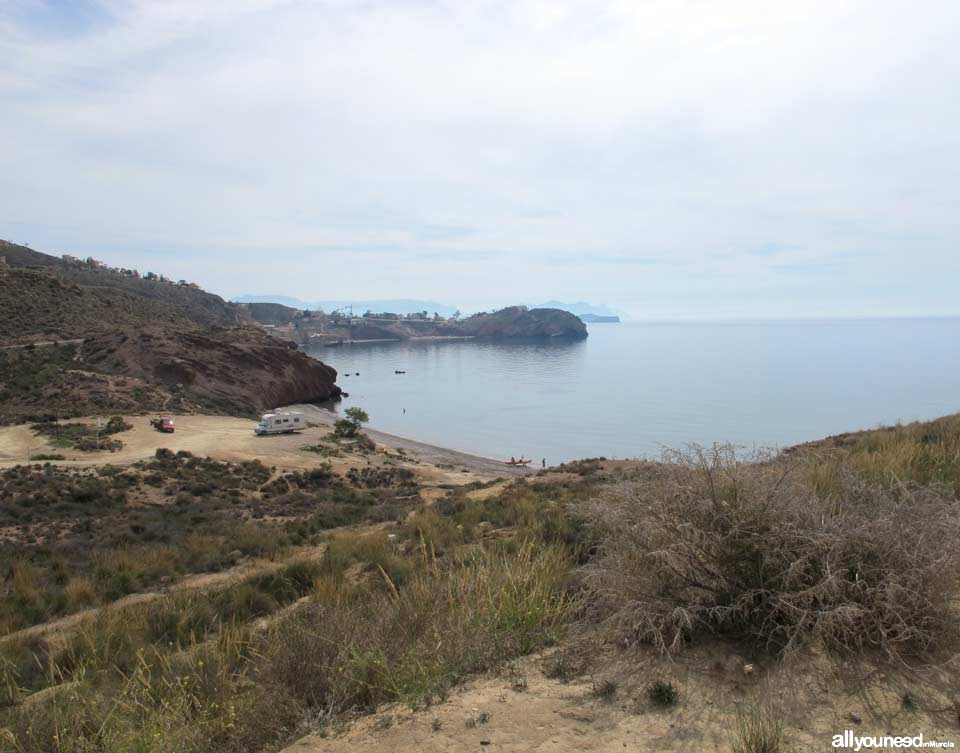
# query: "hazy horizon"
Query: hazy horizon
{"points": [[677, 162]]}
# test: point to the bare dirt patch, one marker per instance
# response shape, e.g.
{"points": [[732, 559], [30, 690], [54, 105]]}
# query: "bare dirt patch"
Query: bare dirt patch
{"points": [[607, 707]]}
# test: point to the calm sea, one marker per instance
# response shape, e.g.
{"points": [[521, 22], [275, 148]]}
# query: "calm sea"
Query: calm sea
{"points": [[630, 390]]}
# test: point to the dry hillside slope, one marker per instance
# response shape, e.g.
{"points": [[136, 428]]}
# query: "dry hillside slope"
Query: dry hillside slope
{"points": [[43, 297], [149, 344]]}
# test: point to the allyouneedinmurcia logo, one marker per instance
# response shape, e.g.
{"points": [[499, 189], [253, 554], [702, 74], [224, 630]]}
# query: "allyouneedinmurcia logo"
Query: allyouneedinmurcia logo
{"points": [[854, 742]]}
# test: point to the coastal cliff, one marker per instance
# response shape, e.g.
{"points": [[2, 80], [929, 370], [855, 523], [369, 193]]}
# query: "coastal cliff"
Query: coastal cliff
{"points": [[237, 370]]}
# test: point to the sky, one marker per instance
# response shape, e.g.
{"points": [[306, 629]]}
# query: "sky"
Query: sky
{"points": [[674, 159]]}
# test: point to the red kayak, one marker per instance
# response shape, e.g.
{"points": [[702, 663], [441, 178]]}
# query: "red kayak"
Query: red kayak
{"points": [[521, 461]]}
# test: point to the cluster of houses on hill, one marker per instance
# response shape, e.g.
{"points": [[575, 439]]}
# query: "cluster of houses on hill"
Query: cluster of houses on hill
{"points": [[97, 264]]}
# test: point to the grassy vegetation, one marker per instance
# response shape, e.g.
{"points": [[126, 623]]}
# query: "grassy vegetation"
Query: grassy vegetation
{"points": [[923, 453], [193, 676], [759, 729], [826, 544], [40, 384], [83, 437], [88, 537]]}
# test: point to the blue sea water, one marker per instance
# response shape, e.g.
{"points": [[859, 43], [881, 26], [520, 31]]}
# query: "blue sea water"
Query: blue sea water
{"points": [[631, 390]]}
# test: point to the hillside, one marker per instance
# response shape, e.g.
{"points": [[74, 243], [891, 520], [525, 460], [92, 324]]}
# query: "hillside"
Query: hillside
{"points": [[235, 371], [272, 314], [38, 305], [47, 297], [124, 343], [316, 595]]}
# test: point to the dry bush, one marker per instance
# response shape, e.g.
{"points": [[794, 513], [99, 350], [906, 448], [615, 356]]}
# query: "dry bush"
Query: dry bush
{"points": [[259, 540], [711, 543], [81, 592], [25, 586], [437, 532]]}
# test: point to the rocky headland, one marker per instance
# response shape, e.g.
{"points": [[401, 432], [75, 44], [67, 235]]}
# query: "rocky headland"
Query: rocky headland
{"points": [[311, 327]]}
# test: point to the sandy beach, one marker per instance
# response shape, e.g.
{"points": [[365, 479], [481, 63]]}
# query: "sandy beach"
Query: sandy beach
{"points": [[427, 452]]}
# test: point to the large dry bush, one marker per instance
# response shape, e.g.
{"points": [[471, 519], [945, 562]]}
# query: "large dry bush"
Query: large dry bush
{"points": [[709, 543]]}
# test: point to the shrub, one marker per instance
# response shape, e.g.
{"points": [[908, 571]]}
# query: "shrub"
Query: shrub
{"points": [[116, 424], [364, 443], [758, 730], [260, 540], [350, 426], [437, 532], [662, 693], [81, 592], [712, 543], [343, 427], [605, 690], [371, 549]]}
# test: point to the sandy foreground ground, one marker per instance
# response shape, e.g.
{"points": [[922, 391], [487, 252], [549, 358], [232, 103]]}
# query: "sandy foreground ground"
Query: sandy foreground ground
{"points": [[527, 709], [232, 439]]}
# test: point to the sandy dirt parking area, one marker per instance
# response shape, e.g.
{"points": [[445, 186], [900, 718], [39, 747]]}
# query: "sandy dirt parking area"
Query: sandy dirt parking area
{"points": [[233, 439]]}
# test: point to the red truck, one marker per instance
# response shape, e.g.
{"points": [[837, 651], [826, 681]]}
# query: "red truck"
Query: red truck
{"points": [[163, 423]]}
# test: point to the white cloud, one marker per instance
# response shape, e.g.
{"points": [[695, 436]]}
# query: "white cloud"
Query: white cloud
{"points": [[474, 152]]}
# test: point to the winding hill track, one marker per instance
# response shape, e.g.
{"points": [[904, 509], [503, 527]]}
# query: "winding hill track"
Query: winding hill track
{"points": [[194, 582]]}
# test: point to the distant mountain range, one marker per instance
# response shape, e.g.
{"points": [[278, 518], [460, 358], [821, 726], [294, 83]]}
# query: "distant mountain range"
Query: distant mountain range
{"points": [[593, 312], [598, 319], [391, 305]]}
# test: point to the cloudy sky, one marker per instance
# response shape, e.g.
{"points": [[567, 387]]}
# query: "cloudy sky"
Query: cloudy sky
{"points": [[670, 158]]}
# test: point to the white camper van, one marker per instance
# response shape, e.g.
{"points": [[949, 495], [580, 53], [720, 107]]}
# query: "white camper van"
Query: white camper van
{"points": [[281, 422]]}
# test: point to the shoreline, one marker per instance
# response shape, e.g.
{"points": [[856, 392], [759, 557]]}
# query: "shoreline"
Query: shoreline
{"points": [[337, 343], [435, 454]]}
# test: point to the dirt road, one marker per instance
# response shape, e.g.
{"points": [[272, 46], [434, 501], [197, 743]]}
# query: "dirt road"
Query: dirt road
{"points": [[193, 582]]}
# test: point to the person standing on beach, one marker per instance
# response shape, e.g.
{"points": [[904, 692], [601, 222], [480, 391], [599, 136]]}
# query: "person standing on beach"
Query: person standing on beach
{"points": [[543, 462]]}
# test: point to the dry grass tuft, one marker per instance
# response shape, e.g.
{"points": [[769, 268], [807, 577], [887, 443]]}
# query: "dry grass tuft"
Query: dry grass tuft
{"points": [[759, 730], [81, 592]]}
